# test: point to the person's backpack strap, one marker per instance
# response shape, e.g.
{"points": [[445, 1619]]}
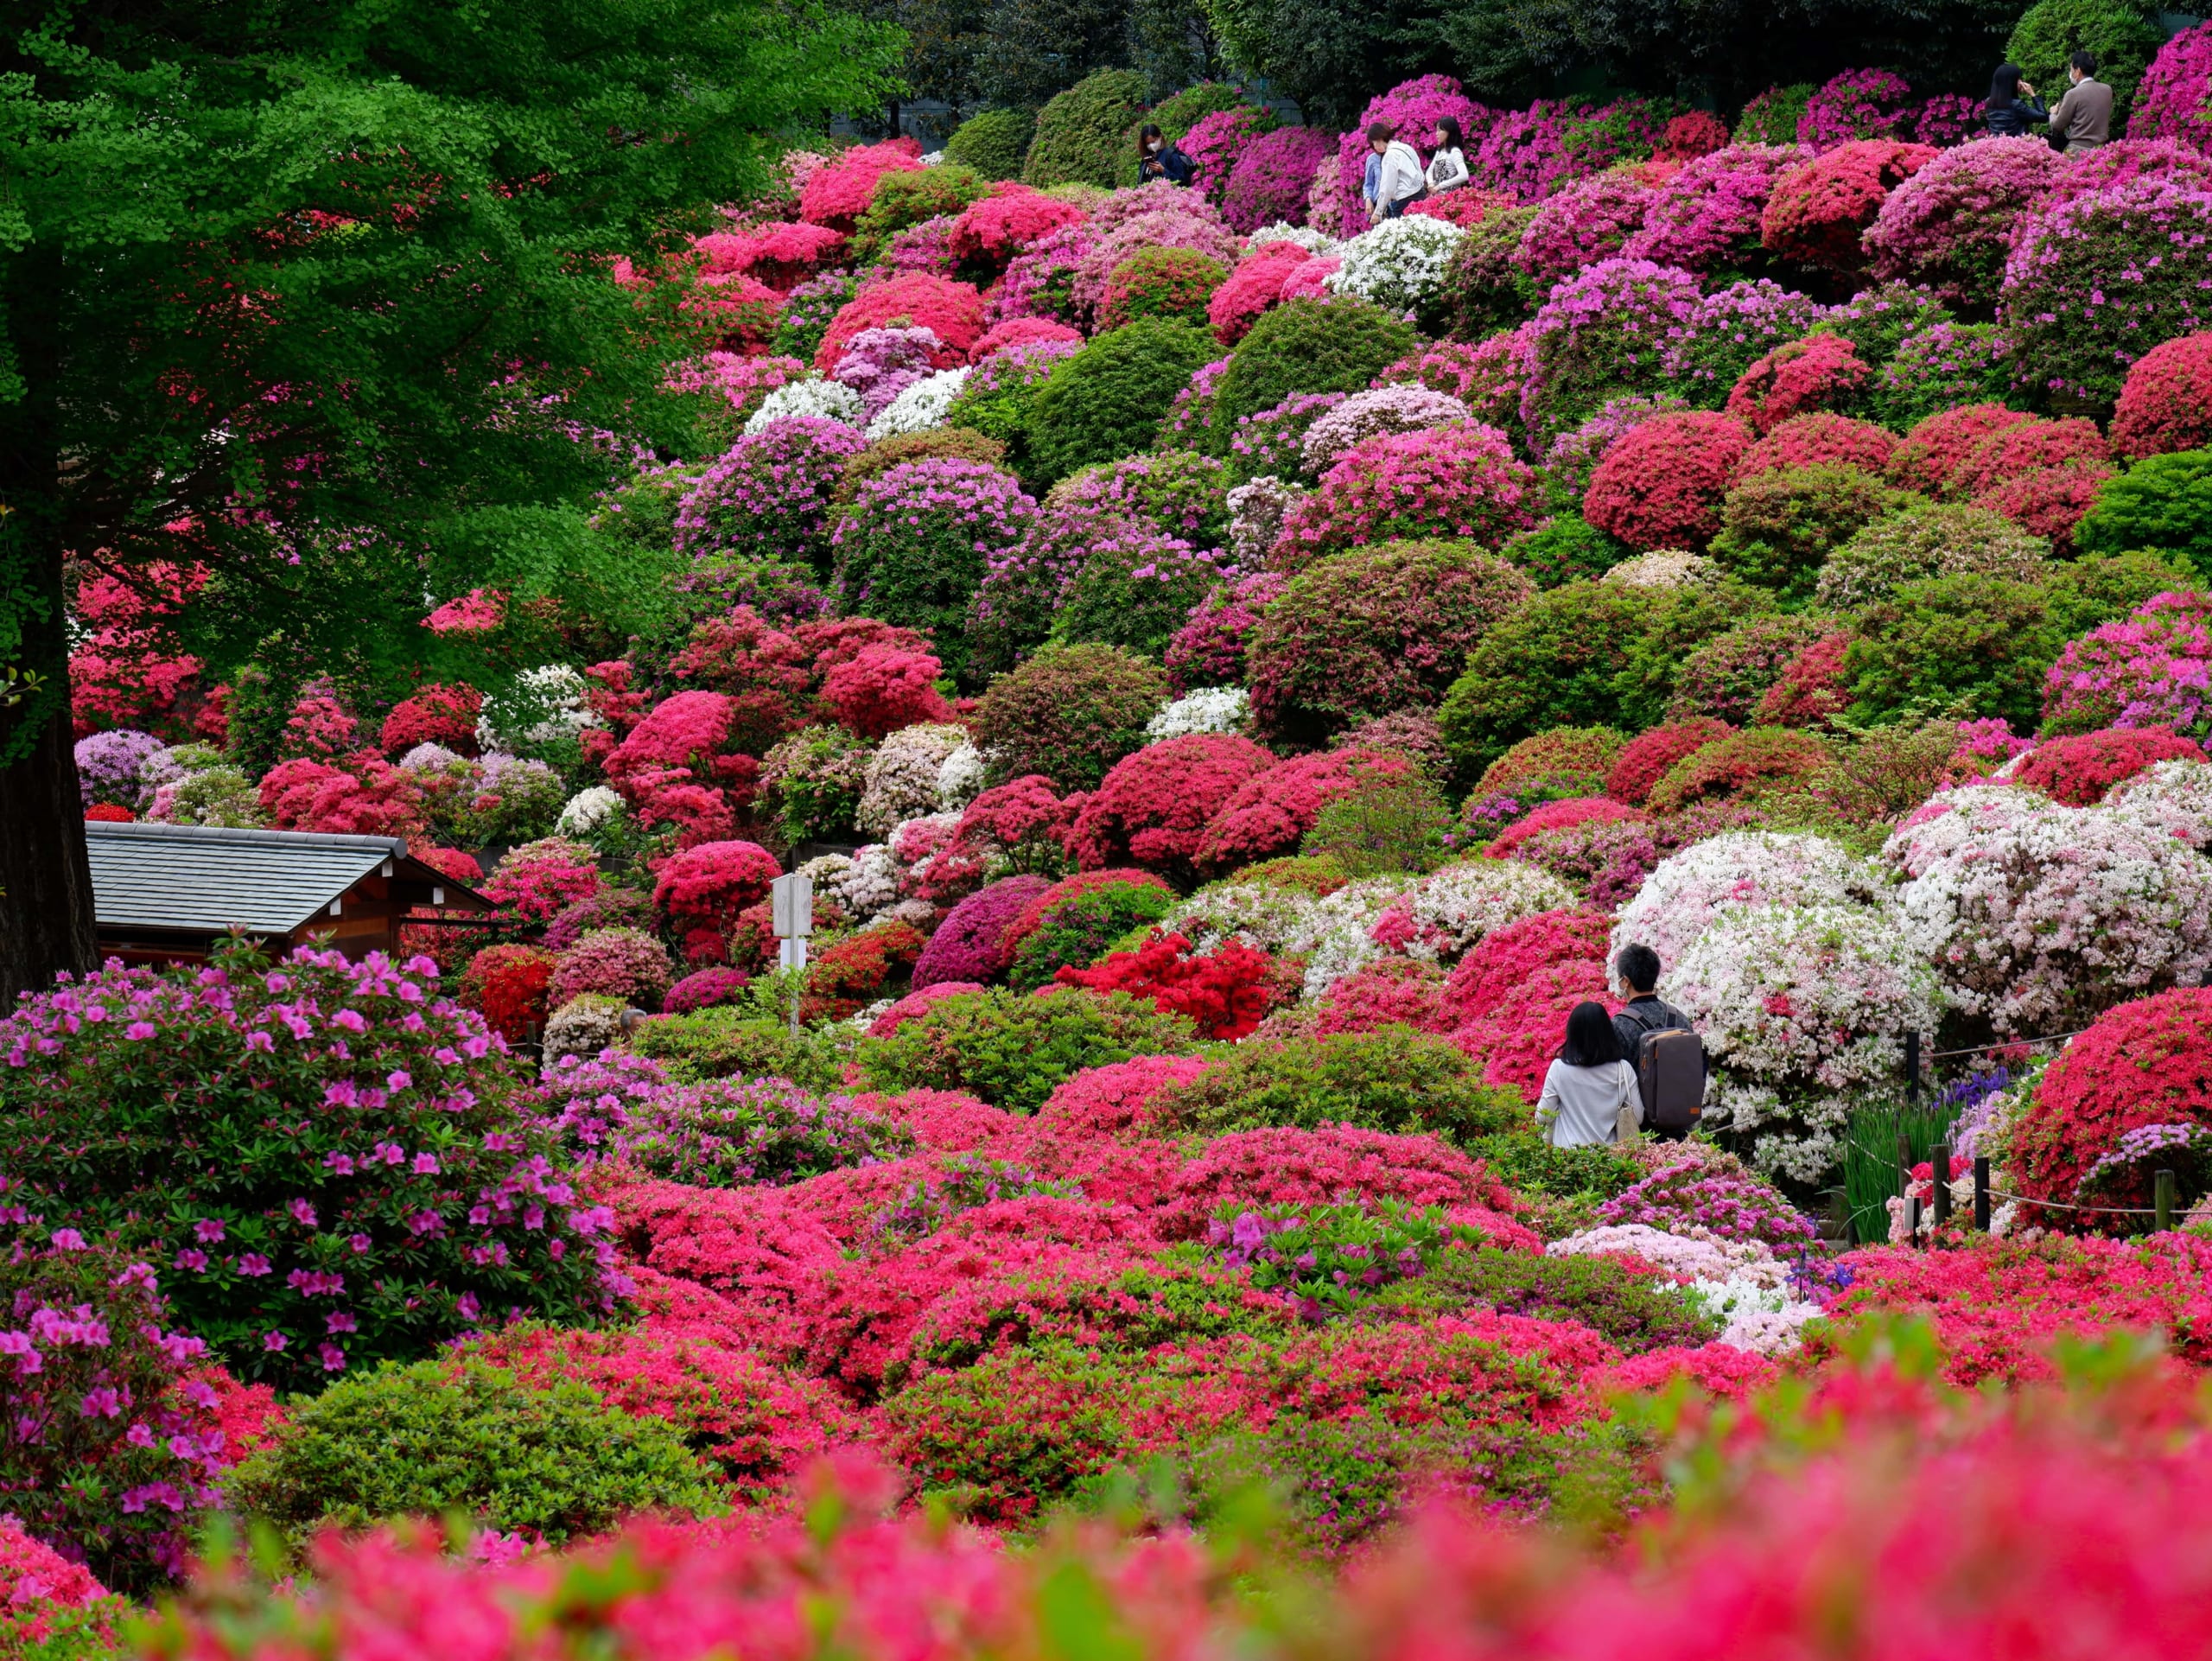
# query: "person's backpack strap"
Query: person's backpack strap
{"points": [[1670, 1074]]}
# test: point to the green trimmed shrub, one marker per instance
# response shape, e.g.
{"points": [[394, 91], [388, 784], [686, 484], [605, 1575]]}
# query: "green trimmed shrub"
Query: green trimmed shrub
{"points": [[1081, 132], [1393, 1079], [1556, 662], [1772, 117], [1013, 1049], [2124, 37], [1727, 676], [1632, 1312], [1175, 115], [1973, 645], [1388, 822], [1112, 604], [1083, 928], [1484, 288], [1308, 346], [907, 198], [994, 143], [999, 403], [1566, 548], [2164, 503], [735, 1041], [1173, 284], [1777, 528], [1931, 539], [431, 1438], [1070, 713], [1554, 765], [1525, 1162], [1679, 620], [2095, 588], [1106, 401]]}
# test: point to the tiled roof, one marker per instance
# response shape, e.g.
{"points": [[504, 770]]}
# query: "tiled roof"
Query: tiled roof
{"points": [[196, 878]]}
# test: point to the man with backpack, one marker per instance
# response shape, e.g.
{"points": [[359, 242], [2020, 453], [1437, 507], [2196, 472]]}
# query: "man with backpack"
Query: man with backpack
{"points": [[1660, 1043]]}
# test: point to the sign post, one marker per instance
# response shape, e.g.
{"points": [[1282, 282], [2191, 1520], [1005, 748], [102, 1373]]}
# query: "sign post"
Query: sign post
{"points": [[790, 906]]}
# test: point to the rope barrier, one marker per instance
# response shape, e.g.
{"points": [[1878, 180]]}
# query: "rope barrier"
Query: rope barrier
{"points": [[2009, 1044]]}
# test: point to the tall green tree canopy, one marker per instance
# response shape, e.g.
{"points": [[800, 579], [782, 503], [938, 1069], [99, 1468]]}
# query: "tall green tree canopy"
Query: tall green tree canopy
{"points": [[277, 273]]}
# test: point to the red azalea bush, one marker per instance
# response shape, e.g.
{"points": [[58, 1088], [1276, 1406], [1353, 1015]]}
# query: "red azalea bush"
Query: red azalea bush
{"points": [[1254, 285], [1153, 806], [1513, 956], [1649, 755], [2167, 402], [917, 1003], [1699, 132], [1021, 331], [2082, 769], [1758, 759], [2143, 1064], [1820, 207], [1938, 447], [1812, 687], [680, 765], [704, 989], [536, 881], [763, 670], [1389, 992], [2020, 447], [1332, 1163], [320, 728], [1822, 372], [952, 311], [839, 192], [1663, 484], [1562, 814], [1024, 821], [1517, 1040], [1223, 992], [992, 232], [970, 946], [708, 884], [437, 715], [852, 973], [1271, 813], [1816, 439], [884, 690], [1460, 480], [509, 985], [366, 797], [1110, 1102], [108, 813], [2050, 502]]}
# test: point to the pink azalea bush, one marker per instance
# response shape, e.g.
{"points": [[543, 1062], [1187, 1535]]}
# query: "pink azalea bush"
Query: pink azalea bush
{"points": [[1461, 480]]}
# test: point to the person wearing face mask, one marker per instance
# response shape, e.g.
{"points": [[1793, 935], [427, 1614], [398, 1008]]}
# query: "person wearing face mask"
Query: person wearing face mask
{"points": [[1447, 168], [1158, 159], [2081, 120], [1402, 181]]}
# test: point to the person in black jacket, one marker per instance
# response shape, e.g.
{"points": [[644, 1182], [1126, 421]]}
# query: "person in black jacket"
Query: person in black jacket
{"points": [[2013, 103], [1158, 159], [1645, 1014]]}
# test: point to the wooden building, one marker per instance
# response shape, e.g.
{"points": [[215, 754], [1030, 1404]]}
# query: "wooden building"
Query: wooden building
{"points": [[166, 893]]}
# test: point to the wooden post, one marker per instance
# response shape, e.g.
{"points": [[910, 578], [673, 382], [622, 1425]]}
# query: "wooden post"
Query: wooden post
{"points": [[1904, 1164], [1912, 1222], [2163, 1202], [1981, 1195], [1912, 1069], [1940, 1173]]}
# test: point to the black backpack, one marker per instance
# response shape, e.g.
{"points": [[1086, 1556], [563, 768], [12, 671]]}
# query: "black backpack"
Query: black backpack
{"points": [[1671, 1074]]}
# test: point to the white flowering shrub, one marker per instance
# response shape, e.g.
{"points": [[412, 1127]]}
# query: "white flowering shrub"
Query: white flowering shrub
{"points": [[1681, 898], [1686, 1254], [868, 886], [919, 407], [960, 779], [2173, 797], [1341, 937], [1663, 568], [1399, 265], [1275, 919], [539, 706], [589, 813], [828, 400], [1380, 410], [1209, 709], [1256, 512], [1450, 910], [2039, 917], [1765, 1320], [1314, 242], [902, 776]]}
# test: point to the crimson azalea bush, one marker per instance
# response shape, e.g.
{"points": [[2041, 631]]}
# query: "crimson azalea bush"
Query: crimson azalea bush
{"points": [[1663, 484], [1223, 992], [1819, 372], [2082, 769], [1646, 759], [2164, 404], [509, 985], [416, 1198], [952, 311], [1513, 956], [1761, 759], [1937, 447], [709, 884], [436, 715], [1820, 209], [848, 975], [1821, 437], [1152, 808], [1270, 813]]}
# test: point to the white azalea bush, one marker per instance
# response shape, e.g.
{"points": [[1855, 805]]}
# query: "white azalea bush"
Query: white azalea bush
{"points": [[1399, 263], [1314, 242], [902, 776], [539, 707], [1740, 1285], [1687, 891], [1209, 709], [1341, 934], [960, 779], [824, 399], [919, 407], [1446, 913], [1275, 919], [2174, 798]]}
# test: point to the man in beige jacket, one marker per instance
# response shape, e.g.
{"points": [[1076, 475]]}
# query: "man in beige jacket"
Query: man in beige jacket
{"points": [[2083, 116]]}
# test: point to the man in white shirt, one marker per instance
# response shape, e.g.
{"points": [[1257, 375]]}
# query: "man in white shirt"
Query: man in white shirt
{"points": [[1402, 179]]}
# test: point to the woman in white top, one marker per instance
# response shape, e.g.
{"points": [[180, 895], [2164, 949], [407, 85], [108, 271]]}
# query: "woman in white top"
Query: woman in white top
{"points": [[1586, 1089], [1447, 168]]}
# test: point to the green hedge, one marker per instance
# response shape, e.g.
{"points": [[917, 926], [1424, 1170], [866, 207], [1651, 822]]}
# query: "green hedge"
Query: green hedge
{"points": [[1081, 132]]}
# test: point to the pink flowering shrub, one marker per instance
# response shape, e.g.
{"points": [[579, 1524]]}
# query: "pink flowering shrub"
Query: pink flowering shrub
{"points": [[617, 963], [1253, 286], [1513, 956], [1948, 225], [1167, 224], [970, 946], [1389, 992], [1412, 107], [2080, 769], [1707, 217], [1822, 372], [1110, 1102], [880, 363], [1575, 455], [2152, 668], [679, 765], [1603, 331], [917, 1003], [1562, 814], [2022, 447], [438, 714], [1517, 1040], [781, 255], [883, 690], [1153, 807], [839, 192], [704, 989], [2174, 99], [1650, 755], [1270, 813], [952, 311], [1818, 439], [1019, 332], [990, 232], [1023, 822], [1210, 649], [1458, 481], [2048, 501], [1857, 103], [1218, 141], [2166, 403], [542, 878], [1939, 446], [366, 797], [1662, 485], [1819, 208], [1040, 281], [1587, 221], [1271, 175], [770, 494], [1691, 134], [708, 884]]}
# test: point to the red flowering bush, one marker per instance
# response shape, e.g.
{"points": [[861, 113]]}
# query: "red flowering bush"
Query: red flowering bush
{"points": [[970, 946], [1649, 755], [1254, 285], [1822, 372], [952, 311], [1758, 759], [991, 231], [2049, 502], [1813, 686], [708, 884], [852, 973], [1460, 480], [704, 989], [1517, 1040], [1330, 1163], [1271, 813], [2145, 1064], [1813, 440], [2166, 404], [2021, 448], [1820, 207], [1021, 331], [372, 800], [883, 690], [1513, 956], [1550, 766], [780, 256], [839, 192], [680, 765], [2079, 770], [917, 1003], [1110, 1102], [320, 727], [763, 671], [1662, 484], [1153, 806], [1223, 992], [1389, 992], [108, 813], [1687, 137], [1936, 447], [508, 985], [437, 715], [539, 879], [1023, 822], [1563, 814]]}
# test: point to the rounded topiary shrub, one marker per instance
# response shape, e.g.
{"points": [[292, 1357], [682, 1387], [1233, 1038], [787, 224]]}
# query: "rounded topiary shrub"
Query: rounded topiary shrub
{"points": [[437, 1437], [2080, 769], [2166, 403], [2124, 37], [1082, 132], [1763, 761], [2162, 504], [1174, 284], [1460, 480], [1270, 813], [770, 497], [1820, 208], [1079, 920], [1153, 807], [1724, 679], [1555, 766], [1646, 759], [1662, 485], [1013, 1049], [995, 142], [150, 1126], [914, 544], [1930, 539], [1106, 402], [1981, 643], [1068, 714], [1777, 528], [1337, 345], [1557, 661], [1373, 631], [1395, 1080]]}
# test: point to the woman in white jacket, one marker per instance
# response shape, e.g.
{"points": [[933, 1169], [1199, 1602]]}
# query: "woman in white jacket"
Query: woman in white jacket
{"points": [[1590, 1093], [1447, 168], [1402, 180]]}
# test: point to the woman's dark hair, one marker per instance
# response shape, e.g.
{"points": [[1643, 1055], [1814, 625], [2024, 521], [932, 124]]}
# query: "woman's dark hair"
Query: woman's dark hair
{"points": [[1449, 126], [1591, 1039], [1145, 134], [2004, 87], [1381, 132]]}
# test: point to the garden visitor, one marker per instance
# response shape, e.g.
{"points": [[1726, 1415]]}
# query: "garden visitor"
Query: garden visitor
{"points": [[2083, 117], [2013, 103], [1447, 168], [1400, 182], [1671, 1089], [1158, 159], [1590, 1096]]}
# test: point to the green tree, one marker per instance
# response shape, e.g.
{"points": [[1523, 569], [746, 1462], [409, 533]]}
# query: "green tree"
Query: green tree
{"points": [[281, 274]]}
